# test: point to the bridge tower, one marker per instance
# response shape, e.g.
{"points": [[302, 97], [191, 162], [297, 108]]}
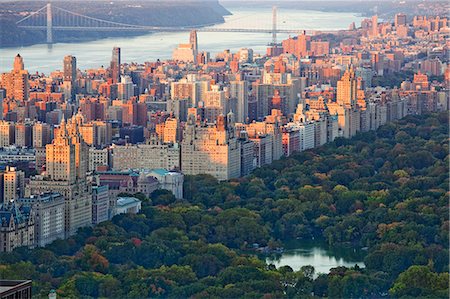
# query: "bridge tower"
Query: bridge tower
{"points": [[49, 24], [274, 25]]}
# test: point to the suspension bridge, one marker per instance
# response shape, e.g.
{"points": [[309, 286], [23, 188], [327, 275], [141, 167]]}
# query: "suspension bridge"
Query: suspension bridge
{"points": [[51, 18]]}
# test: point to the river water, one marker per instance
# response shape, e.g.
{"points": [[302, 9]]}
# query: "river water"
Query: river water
{"points": [[150, 47], [318, 255]]}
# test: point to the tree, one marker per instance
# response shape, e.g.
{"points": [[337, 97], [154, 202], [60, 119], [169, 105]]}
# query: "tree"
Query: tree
{"points": [[420, 281]]}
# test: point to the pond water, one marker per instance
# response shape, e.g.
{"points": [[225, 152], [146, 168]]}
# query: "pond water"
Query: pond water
{"points": [[318, 255]]}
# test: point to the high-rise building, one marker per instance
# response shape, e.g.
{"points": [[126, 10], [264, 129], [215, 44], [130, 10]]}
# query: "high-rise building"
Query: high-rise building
{"points": [[23, 134], [184, 53], [320, 48], [211, 148], [239, 90], [97, 158], [193, 41], [115, 65], [125, 89], [215, 98], [152, 155], [100, 204], [42, 134], [400, 19], [347, 88], [374, 28], [61, 157], [171, 130], [66, 173], [7, 132], [70, 74], [299, 45], [13, 184], [16, 82]]}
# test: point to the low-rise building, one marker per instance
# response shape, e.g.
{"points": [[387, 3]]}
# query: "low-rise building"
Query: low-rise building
{"points": [[169, 180], [127, 205]]}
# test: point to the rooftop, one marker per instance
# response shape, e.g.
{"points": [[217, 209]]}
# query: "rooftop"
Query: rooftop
{"points": [[125, 201], [7, 285]]}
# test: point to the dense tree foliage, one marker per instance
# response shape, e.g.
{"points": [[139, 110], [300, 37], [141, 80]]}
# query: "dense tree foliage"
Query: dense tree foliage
{"points": [[384, 190]]}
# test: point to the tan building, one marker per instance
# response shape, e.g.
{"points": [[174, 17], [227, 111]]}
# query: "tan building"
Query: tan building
{"points": [[211, 148], [13, 184], [7, 132], [171, 130], [97, 157], [61, 157], [270, 126], [151, 155], [67, 165], [184, 53], [348, 119], [23, 135], [347, 88], [42, 134], [215, 98], [262, 149], [16, 82]]}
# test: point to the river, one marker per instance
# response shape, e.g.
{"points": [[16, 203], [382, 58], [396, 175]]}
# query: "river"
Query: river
{"points": [[150, 47], [318, 255]]}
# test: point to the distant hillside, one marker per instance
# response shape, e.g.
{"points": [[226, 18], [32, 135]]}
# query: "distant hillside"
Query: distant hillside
{"points": [[152, 13]]}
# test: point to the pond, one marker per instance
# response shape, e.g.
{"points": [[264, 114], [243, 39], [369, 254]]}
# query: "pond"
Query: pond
{"points": [[317, 254]]}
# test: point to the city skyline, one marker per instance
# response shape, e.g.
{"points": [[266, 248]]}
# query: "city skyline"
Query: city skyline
{"points": [[248, 164]]}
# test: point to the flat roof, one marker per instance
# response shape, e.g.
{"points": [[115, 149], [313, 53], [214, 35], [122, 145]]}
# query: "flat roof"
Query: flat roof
{"points": [[8, 285], [124, 201]]}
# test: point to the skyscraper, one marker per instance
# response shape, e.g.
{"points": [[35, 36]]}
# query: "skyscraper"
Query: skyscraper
{"points": [[211, 149], [115, 65], [400, 19], [16, 82], [239, 90], [18, 63], [70, 74], [61, 157], [13, 184], [374, 25], [193, 41], [66, 173], [70, 68], [347, 88]]}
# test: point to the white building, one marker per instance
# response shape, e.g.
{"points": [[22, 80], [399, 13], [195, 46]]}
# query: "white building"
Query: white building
{"points": [[127, 205], [125, 89], [172, 181], [100, 204]]}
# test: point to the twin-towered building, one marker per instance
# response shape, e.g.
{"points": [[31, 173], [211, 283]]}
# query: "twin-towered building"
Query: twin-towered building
{"points": [[211, 148]]}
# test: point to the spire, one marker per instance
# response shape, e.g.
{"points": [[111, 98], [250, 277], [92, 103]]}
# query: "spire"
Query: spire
{"points": [[62, 132], [18, 63], [230, 119]]}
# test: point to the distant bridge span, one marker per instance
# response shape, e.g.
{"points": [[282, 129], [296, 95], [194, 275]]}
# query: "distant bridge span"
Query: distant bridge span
{"points": [[50, 18]]}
